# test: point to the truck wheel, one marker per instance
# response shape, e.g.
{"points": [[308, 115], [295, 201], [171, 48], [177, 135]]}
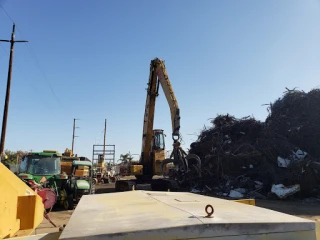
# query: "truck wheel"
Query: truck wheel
{"points": [[94, 181], [68, 203], [105, 180]]}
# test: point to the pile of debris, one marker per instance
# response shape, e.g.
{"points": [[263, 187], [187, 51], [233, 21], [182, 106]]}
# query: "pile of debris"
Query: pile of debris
{"points": [[276, 158], [296, 116]]}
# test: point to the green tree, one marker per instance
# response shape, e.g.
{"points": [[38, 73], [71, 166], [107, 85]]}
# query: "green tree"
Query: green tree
{"points": [[126, 158], [14, 157]]}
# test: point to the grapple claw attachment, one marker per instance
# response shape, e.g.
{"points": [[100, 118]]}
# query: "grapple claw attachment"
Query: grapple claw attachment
{"points": [[183, 161], [194, 160]]}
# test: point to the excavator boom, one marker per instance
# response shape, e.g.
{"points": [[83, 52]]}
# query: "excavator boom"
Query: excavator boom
{"points": [[163, 78]]}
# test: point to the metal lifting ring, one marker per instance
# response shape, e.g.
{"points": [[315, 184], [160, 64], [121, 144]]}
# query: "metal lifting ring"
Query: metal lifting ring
{"points": [[211, 212]]}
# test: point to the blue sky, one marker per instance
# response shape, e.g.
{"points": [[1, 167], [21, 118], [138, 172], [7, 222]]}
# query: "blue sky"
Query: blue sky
{"points": [[221, 57]]}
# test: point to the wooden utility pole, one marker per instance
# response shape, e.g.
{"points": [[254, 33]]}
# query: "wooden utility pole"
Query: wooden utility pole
{"points": [[104, 139], [73, 134], [6, 103]]}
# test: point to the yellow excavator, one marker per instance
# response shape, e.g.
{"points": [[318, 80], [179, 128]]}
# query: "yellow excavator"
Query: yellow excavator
{"points": [[152, 158]]}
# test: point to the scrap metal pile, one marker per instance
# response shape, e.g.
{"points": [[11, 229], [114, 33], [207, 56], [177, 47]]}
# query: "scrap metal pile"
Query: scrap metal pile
{"points": [[276, 158]]}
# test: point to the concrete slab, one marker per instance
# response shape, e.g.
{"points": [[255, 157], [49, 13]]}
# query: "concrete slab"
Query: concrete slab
{"points": [[169, 215]]}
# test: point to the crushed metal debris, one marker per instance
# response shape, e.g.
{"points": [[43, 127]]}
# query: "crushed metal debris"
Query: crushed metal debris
{"points": [[278, 158]]}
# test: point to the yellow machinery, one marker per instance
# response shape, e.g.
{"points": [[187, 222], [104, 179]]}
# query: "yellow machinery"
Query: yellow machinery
{"points": [[67, 153], [101, 173], [21, 209], [152, 158], [66, 161]]}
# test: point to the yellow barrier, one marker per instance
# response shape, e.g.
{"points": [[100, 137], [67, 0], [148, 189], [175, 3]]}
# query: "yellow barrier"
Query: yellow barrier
{"points": [[21, 209], [246, 201]]}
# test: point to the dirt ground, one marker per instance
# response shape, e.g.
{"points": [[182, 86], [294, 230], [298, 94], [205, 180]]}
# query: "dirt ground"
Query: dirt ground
{"points": [[61, 217], [305, 209]]}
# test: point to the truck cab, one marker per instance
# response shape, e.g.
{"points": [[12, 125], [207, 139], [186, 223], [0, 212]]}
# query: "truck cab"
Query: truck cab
{"points": [[42, 171], [40, 166]]}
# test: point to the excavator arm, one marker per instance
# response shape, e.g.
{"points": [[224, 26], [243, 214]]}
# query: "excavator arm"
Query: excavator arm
{"points": [[159, 76], [163, 78]]}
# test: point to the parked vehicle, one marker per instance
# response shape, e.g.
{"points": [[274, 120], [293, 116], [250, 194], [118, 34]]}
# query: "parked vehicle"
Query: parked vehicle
{"points": [[100, 175], [41, 171], [80, 180]]}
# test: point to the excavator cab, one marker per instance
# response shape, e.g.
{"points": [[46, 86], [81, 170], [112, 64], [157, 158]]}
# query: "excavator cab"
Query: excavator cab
{"points": [[157, 156], [158, 142], [158, 150]]}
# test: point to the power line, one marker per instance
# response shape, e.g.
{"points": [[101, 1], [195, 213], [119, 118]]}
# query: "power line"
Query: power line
{"points": [[42, 71], [6, 13], [31, 52], [22, 73], [2, 47]]}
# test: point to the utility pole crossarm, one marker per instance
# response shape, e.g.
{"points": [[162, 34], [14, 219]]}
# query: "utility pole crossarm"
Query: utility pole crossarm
{"points": [[20, 41], [7, 99]]}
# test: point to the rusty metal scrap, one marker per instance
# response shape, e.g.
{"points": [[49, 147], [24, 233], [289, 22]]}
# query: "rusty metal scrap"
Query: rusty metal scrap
{"points": [[238, 153]]}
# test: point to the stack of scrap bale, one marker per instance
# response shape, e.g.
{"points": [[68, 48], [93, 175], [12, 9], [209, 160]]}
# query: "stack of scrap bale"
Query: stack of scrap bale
{"points": [[278, 158]]}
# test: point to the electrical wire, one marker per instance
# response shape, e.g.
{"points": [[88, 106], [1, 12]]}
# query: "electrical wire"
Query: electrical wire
{"points": [[6, 13], [31, 52], [43, 73], [22, 74], [3, 48]]}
